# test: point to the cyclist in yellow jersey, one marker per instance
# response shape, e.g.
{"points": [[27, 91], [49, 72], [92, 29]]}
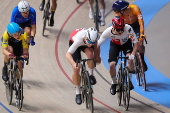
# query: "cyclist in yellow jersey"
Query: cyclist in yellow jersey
{"points": [[14, 43], [132, 16]]}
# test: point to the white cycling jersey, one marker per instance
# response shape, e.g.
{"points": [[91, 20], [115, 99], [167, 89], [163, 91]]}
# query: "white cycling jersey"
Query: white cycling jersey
{"points": [[119, 40], [77, 37]]}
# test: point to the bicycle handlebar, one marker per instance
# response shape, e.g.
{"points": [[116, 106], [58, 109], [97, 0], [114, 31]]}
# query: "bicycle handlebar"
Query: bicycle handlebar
{"points": [[84, 60], [18, 57]]}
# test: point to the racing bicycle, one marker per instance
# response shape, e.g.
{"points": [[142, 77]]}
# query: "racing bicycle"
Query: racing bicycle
{"points": [[86, 87], [139, 71], [15, 82], [123, 82], [46, 16]]}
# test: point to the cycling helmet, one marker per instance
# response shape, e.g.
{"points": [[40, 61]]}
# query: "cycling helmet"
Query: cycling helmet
{"points": [[118, 22], [13, 28], [92, 34], [23, 6], [120, 5]]}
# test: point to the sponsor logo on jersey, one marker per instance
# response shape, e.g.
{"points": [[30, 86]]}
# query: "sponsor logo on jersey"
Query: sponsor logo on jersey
{"points": [[140, 17]]}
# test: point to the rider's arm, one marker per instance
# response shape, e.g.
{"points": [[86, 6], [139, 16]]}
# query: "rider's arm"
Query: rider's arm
{"points": [[140, 19], [133, 38], [95, 49], [4, 43], [70, 58], [33, 30], [33, 22], [106, 34], [70, 51]]}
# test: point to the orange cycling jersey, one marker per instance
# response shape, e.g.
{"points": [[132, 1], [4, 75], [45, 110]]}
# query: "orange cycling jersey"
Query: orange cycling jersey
{"points": [[133, 14]]}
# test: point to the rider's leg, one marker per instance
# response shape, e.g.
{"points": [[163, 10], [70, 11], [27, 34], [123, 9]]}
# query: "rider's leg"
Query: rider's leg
{"points": [[113, 54], [53, 8], [4, 69], [102, 10], [91, 10], [89, 53], [42, 5], [75, 74], [141, 49], [127, 51]]}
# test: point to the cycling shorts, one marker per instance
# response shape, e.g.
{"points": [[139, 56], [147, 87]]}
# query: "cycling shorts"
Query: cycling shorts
{"points": [[77, 54], [136, 28], [26, 24], [115, 50]]}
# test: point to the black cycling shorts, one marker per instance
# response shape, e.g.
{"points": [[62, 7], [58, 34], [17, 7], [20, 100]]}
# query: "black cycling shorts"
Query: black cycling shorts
{"points": [[26, 24], [77, 54], [136, 28], [115, 49], [17, 47]]}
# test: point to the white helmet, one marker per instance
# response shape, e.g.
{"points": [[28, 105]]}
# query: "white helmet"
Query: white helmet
{"points": [[23, 6], [92, 34]]}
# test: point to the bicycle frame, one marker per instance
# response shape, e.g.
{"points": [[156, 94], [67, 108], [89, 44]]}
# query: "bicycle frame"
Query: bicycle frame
{"points": [[123, 79], [86, 87], [46, 16], [14, 82], [97, 16]]}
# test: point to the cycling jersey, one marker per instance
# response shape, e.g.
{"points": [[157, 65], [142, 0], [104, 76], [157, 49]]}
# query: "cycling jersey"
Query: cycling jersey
{"points": [[7, 40], [77, 37], [18, 18], [119, 40], [132, 15]]}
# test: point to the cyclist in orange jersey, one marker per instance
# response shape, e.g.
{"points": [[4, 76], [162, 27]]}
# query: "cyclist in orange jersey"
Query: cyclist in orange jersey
{"points": [[132, 16]]}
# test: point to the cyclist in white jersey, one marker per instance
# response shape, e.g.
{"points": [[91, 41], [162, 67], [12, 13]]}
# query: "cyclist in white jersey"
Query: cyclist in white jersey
{"points": [[82, 40], [122, 36]]}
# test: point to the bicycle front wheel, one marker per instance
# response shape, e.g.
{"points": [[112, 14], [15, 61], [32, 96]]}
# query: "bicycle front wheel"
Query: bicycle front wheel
{"points": [[89, 91], [119, 86], [9, 87], [126, 89], [19, 88], [141, 72]]}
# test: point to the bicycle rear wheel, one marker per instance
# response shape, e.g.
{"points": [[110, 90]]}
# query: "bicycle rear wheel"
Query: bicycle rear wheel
{"points": [[141, 72], [119, 86], [97, 17], [9, 87], [126, 89], [19, 88], [44, 21]]}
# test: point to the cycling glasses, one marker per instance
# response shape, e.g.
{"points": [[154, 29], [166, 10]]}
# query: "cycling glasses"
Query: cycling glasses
{"points": [[118, 30], [90, 42]]}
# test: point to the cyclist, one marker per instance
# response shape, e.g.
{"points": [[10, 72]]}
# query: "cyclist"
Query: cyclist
{"points": [[25, 17], [122, 36], [53, 8], [82, 40], [132, 16], [102, 10], [14, 43]]}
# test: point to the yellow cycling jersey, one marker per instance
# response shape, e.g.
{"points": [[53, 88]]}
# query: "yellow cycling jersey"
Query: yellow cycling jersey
{"points": [[6, 38]]}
